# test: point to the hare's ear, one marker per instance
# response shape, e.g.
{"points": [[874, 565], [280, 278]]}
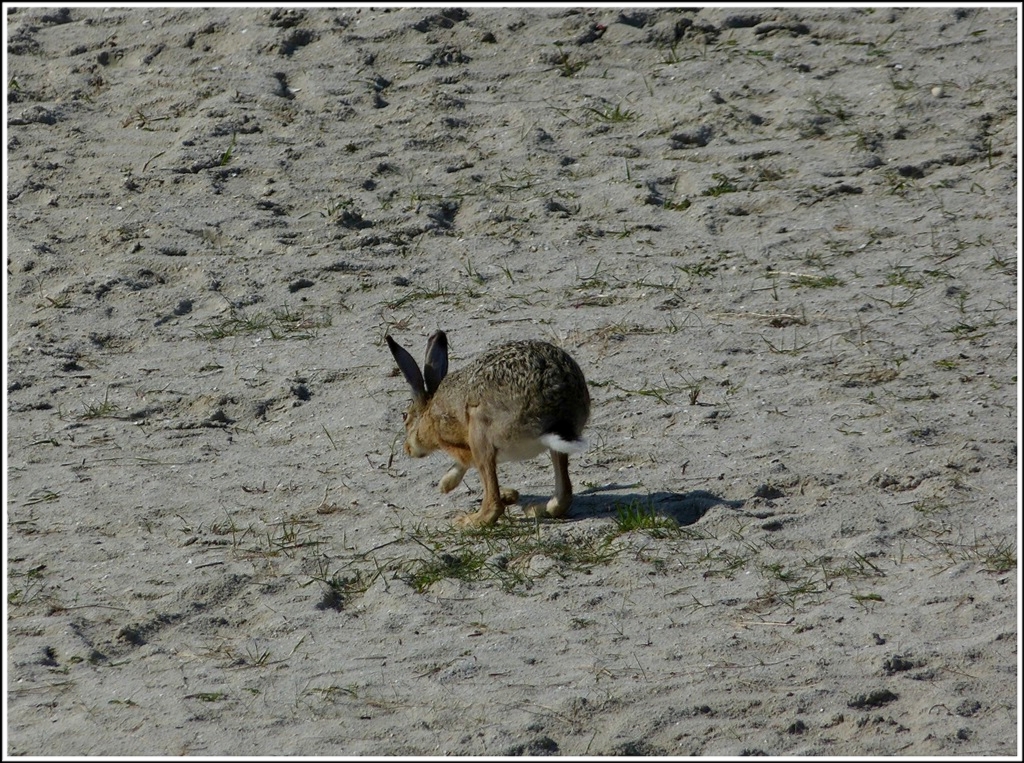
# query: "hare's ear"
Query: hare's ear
{"points": [[407, 365], [436, 366]]}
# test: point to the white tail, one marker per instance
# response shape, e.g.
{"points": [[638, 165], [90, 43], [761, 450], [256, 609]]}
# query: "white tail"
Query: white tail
{"points": [[555, 442]]}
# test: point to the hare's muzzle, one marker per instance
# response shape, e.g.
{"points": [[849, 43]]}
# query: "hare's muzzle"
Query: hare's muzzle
{"points": [[414, 448]]}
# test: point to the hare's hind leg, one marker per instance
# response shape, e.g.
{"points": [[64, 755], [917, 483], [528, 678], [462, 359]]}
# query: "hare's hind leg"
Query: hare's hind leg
{"points": [[559, 504]]}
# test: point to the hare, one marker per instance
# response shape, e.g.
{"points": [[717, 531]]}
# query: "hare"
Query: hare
{"points": [[508, 404]]}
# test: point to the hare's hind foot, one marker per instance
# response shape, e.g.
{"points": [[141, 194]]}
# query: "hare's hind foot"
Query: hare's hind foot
{"points": [[559, 504], [553, 509], [509, 496]]}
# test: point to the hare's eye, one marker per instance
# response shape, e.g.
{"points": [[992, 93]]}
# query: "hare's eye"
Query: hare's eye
{"points": [[405, 415]]}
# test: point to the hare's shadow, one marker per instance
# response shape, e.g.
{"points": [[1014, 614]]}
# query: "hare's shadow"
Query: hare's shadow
{"points": [[684, 508]]}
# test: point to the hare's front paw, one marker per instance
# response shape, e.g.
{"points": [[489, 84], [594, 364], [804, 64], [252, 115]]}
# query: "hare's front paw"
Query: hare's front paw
{"points": [[452, 478], [509, 496], [472, 521], [485, 517]]}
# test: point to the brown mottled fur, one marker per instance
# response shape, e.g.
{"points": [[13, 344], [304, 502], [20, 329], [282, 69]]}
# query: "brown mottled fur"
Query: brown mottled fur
{"points": [[508, 404]]}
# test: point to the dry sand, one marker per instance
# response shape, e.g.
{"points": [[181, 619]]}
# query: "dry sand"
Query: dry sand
{"points": [[780, 243]]}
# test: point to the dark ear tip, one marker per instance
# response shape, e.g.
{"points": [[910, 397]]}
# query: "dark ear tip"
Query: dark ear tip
{"points": [[439, 337], [395, 347]]}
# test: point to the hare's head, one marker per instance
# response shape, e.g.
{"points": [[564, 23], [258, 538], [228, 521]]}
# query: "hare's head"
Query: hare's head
{"points": [[423, 385]]}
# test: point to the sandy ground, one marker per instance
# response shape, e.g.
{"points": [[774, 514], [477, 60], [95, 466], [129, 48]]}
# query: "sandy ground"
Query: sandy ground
{"points": [[780, 243]]}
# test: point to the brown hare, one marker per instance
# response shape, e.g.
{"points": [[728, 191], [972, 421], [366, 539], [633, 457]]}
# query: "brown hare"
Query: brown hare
{"points": [[510, 403]]}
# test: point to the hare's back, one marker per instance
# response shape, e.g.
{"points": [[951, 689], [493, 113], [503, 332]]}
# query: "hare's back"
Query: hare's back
{"points": [[531, 387], [528, 367]]}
